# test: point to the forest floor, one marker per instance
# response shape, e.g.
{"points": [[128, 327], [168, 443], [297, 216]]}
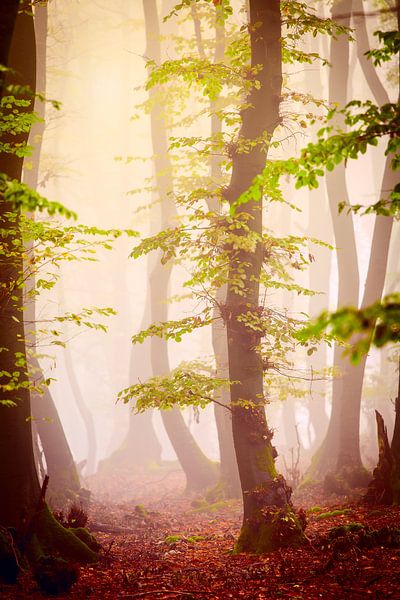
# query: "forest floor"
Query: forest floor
{"points": [[159, 544]]}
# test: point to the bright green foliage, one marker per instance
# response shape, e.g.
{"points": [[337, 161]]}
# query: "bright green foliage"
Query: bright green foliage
{"points": [[37, 247], [185, 386], [14, 121], [378, 324], [390, 48], [174, 330], [368, 123], [206, 237]]}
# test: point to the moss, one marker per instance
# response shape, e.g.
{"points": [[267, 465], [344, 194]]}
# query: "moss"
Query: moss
{"points": [[314, 509], [172, 539], [195, 538], [343, 530], [141, 511], [255, 540], [86, 537], [52, 538], [215, 507], [266, 461], [332, 513], [269, 530]]}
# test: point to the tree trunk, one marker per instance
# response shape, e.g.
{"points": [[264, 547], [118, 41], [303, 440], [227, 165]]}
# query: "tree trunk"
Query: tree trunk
{"points": [[395, 447], [266, 497], [140, 447], [348, 276], [85, 412], [199, 470], [341, 448], [18, 478], [64, 482], [229, 484], [20, 491]]}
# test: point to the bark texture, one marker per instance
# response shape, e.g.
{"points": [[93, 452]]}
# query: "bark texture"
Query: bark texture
{"points": [[266, 497]]}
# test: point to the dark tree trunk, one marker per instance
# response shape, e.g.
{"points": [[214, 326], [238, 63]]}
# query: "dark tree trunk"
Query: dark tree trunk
{"points": [[199, 470], [20, 491], [18, 478], [395, 447], [265, 494]]}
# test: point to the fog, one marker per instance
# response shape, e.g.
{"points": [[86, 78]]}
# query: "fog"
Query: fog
{"points": [[96, 159]]}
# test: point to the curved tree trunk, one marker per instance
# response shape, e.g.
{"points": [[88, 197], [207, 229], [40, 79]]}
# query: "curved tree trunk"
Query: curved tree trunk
{"points": [[84, 411], [341, 448], [266, 497], [64, 482], [348, 276], [229, 484], [199, 470]]}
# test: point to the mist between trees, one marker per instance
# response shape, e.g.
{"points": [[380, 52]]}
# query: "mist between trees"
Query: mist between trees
{"points": [[200, 249]]}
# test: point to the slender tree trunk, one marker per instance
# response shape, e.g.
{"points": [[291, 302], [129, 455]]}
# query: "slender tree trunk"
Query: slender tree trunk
{"points": [[64, 482], [265, 494], [349, 457], [341, 449], [85, 412], [200, 472], [348, 276], [229, 484], [349, 443]]}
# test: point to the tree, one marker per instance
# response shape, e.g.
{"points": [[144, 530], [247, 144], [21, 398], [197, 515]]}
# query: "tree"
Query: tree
{"points": [[64, 484], [266, 497], [200, 472], [341, 449], [230, 248], [22, 503]]}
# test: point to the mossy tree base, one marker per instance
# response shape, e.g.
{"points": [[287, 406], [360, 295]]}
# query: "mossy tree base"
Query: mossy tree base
{"points": [[270, 521], [49, 537]]}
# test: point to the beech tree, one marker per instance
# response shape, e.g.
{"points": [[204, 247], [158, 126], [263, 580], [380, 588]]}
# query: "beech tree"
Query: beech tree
{"points": [[340, 451], [22, 504]]}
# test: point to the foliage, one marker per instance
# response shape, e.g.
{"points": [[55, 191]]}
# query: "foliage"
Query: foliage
{"points": [[35, 245], [204, 238], [390, 47], [184, 386], [378, 324]]}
